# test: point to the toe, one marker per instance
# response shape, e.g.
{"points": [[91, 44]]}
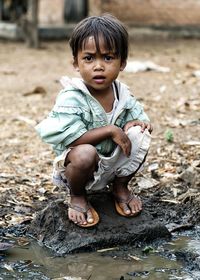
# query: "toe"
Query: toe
{"points": [[125, 208], [81, 219], [135, 205], [90, 219], [72, 216], [76, 217]]}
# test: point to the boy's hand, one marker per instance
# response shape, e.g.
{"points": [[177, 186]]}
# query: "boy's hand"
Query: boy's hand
{"points": [[140, 123], [121, 139]]}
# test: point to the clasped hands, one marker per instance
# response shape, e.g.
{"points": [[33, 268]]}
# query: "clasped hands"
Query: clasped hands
{"points": [[119, 136]]}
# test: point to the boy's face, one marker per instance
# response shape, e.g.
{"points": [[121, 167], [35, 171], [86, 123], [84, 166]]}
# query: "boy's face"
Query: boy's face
{"points": [[98, 68]]}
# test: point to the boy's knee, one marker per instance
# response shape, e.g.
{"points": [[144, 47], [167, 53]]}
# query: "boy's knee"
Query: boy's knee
{"points": [[83, 156]]}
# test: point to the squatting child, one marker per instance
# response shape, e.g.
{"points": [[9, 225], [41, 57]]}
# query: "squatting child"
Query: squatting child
{"points": [[99, 131]]}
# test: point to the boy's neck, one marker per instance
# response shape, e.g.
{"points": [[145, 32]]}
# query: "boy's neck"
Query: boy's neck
{"points": [[100, 93], [104, 97]]}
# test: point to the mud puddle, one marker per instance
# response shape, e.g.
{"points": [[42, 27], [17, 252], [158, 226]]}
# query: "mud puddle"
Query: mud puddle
{"points": [[177, 259]]}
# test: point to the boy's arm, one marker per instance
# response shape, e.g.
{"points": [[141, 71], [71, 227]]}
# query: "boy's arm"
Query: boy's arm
{"points": [[96, 135]]}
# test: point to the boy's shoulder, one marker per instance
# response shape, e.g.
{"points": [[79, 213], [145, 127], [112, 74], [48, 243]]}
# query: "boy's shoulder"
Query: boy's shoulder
{"points": [[72, 93], [70, 96]]}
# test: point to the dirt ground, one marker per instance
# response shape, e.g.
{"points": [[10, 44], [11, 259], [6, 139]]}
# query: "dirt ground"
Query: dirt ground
{"points": [[28, 88]]}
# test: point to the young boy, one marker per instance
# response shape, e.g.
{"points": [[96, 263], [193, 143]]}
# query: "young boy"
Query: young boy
{"points": [[99, 132]]}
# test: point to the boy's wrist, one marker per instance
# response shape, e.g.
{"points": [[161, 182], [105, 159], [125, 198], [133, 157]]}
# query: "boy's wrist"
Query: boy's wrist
{"points": [[113, 130]]}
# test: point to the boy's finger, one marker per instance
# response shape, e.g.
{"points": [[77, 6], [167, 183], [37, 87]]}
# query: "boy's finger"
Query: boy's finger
{"points": [[127, 128], [150, 128], [143, 125], [126, 149]]}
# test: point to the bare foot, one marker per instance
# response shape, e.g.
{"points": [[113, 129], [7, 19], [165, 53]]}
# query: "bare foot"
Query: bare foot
{"points": [[81, 212], [130, 204]]}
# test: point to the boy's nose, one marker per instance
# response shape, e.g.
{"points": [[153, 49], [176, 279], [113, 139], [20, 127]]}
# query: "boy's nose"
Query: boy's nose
{"points": [[98, 65]]}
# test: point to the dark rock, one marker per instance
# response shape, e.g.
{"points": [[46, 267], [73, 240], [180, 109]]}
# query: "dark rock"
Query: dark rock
{"points": [[188, 259], [52, 228]]}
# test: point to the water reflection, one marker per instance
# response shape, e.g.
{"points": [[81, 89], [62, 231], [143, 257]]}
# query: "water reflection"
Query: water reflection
{"points": [[35, 262]]}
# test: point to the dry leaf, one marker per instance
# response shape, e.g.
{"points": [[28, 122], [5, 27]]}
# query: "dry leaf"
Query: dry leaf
{"points": [[170, 201], [134, 258], [107, 249], [37, 90], [22, 241], [8, 267]]}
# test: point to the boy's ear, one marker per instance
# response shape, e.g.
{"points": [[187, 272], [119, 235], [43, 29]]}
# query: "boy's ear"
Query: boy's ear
{"points": [[75, 64], [123, 65]]}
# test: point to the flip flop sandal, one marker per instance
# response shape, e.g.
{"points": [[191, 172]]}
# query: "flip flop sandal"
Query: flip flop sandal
{"points": [[84, 211], [125, 201]]}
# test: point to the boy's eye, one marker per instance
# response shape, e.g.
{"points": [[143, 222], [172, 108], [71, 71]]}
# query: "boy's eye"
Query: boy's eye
{"points": [[88, 58], [108, 58]]}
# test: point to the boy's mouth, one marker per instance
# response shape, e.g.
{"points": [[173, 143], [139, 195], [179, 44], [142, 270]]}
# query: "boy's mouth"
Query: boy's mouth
{"points": [[99, 79]]}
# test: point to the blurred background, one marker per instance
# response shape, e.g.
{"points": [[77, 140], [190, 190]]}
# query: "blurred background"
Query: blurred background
{"points": [[55, 19]]}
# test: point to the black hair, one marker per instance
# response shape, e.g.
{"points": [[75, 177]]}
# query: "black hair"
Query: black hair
{"points": [[109, 27]]}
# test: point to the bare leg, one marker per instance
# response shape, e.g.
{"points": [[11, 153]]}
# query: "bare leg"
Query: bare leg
{"points": [[121, 191], [80, 163]]}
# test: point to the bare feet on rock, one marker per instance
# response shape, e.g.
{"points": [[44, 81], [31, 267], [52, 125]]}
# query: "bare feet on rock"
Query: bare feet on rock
{"points": [[127, 204], [81, 212]]}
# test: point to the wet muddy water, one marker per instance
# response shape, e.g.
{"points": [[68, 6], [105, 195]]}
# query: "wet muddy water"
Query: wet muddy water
{"points": [[178, 258]]}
